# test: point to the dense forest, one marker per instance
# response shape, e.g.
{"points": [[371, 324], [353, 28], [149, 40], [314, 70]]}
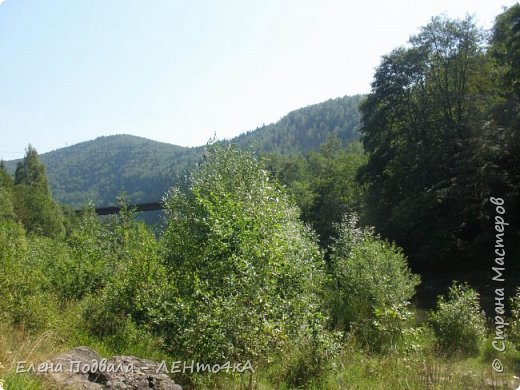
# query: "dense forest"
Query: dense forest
{"points": [[441, 129], [298, 247], [304, 130], [97, 171]]}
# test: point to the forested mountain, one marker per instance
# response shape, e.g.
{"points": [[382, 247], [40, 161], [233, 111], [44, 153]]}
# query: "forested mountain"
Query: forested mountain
{"points": [[98, 170], [304, 130]]}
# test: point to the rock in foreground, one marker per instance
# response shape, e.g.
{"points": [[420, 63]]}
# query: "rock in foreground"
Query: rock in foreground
{"points": [[83, 368]]}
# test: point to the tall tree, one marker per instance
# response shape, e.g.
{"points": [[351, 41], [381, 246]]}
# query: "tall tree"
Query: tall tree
{"points": [[34, 205], [505, 51], [424, 128], [334, 185]]}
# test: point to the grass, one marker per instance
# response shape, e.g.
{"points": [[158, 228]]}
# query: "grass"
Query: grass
{"points": [[417, 368], [423, 369], [17, 345]]}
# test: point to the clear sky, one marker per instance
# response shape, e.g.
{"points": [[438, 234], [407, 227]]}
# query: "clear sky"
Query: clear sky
{"points": [[180, 71]]}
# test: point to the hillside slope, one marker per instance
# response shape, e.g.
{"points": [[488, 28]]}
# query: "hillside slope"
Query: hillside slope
{"points": [[306, 129], [100, 169]]}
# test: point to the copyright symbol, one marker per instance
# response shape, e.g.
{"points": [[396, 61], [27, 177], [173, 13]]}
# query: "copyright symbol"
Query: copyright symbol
{"points": [[497, 365]]}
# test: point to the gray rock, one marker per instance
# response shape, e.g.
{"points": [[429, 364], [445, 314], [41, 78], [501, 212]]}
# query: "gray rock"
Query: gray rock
{"points": [[83, 368]]}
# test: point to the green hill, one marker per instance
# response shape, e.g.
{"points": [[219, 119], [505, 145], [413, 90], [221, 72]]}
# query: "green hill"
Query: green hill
{"points": [[98, 170], [306, 129]]}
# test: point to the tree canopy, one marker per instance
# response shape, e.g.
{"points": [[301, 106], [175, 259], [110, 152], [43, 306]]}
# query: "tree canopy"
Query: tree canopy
{"points": [[34, 205], [432, 152]]}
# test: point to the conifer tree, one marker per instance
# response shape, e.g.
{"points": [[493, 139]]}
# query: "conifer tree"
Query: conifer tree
{"points": [[34, 205]]}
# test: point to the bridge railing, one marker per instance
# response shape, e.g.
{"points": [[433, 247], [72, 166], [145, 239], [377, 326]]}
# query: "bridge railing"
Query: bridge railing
{"points": [[137, 207]]}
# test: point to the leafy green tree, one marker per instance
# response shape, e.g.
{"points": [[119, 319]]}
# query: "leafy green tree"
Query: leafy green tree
{"points": [[505, 51], [26, 294], [323, 183], [424, 127], [133, 290], [6, 194], [34, 205], [336, 191], [294, 173], [247, 272]]}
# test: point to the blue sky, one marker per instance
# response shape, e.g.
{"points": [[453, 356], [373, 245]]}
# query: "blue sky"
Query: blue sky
{"points": [[180, 71]]}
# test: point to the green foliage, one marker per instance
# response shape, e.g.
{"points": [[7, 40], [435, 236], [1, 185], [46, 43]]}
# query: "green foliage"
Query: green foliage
{"points": [[136, 289], [505, 51], [441, 130], [309, 359], [26, 297], [13, 244], [334, 184], [92, 259], [34, 205], [96, 171], [421, 371], [238, 276], [306, 129], [426, 129], [458, 322], [371, 286], [246, 270], [6, 204], [323, 183], [6, 194]]}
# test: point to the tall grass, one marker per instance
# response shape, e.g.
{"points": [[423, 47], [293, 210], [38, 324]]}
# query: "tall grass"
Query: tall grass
{"points": [[17, 345]]}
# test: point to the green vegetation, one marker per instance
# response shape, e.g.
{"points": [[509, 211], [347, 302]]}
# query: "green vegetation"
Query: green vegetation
{"points": [[287, 260], [371, 286], [306, 129], [439, 144], [234, 245], [29, 197], [323, 183], [515, 313], [458, 322], [97, 171]]}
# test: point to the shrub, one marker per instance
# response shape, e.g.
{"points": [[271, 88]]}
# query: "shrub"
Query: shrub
{"points": [[247, 271], [6, 204], [53, 258], [310, 357], [136, 291], [458, 322], [371, 285], [26, 296], [92, 257]]}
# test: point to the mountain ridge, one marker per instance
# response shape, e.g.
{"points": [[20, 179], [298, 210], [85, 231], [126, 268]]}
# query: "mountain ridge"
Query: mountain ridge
{"points": [[99, 169]]}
